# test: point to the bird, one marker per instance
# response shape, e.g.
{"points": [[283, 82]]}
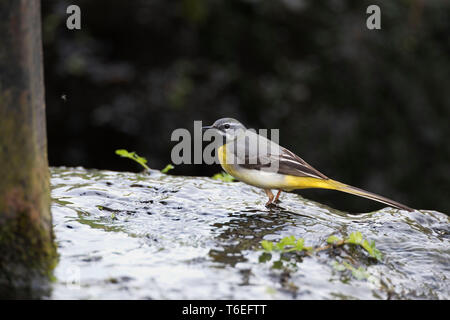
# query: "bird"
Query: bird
{"points": [[260, 162]]}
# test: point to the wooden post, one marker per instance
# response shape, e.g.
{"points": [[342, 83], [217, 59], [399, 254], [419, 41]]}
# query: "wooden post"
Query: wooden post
{"points": [[27, 250]]}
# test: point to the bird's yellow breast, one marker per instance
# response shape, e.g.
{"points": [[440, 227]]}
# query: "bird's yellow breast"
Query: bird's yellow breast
{"points": [[222, 154], [257, 178]]}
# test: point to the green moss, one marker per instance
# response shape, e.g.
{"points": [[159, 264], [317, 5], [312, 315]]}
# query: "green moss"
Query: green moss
{"points": [[27, 250], [28, 255]]}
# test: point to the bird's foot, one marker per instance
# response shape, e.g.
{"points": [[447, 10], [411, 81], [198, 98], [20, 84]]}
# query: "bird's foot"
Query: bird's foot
{"points": [[271, 204]]}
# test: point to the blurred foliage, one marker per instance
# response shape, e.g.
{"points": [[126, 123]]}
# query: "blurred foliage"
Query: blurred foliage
{"points": [[369, 108]]}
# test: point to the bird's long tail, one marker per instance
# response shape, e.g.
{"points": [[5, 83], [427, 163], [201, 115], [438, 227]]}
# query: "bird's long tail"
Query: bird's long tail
{"points": [[366, 194], [336, 185]]}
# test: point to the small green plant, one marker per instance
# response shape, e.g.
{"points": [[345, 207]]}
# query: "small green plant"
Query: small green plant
{"points": [[356, 238], [141, 160], [133, 156], [289, 249], [223, 176], [287, 244], [167, 168], [333, 240], [267, 245]]}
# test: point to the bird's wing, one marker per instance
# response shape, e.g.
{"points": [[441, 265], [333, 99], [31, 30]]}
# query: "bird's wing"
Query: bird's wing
{"points": [[293, 165], [269, 155]]}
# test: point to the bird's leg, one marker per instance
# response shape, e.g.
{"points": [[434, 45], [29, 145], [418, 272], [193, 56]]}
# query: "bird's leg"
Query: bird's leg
{"points": [[278, 195], [270, 195]]}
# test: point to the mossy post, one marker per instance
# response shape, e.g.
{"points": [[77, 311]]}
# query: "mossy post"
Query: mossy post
{"points": [[27, 248]]}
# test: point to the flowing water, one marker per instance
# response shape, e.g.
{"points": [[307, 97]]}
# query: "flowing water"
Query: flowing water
{"points": [[156, 236]]}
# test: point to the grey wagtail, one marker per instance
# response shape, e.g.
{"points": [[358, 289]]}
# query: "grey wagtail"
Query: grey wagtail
{"points": [[257, 161]]}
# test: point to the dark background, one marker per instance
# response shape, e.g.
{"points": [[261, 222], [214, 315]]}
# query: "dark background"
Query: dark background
{"points": [[367, 107]]}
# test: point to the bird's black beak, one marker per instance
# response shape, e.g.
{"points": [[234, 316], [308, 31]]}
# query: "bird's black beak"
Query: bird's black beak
{"points": [[207, 127]]}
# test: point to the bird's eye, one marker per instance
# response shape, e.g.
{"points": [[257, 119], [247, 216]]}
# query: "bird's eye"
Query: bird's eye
{"points": [[226, 126]]}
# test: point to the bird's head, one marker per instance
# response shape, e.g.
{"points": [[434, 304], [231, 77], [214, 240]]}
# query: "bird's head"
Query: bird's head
{"points": [[227, 127]]}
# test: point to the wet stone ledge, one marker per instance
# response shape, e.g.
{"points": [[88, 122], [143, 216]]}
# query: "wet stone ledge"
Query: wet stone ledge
{"points": [[157, 236]]}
